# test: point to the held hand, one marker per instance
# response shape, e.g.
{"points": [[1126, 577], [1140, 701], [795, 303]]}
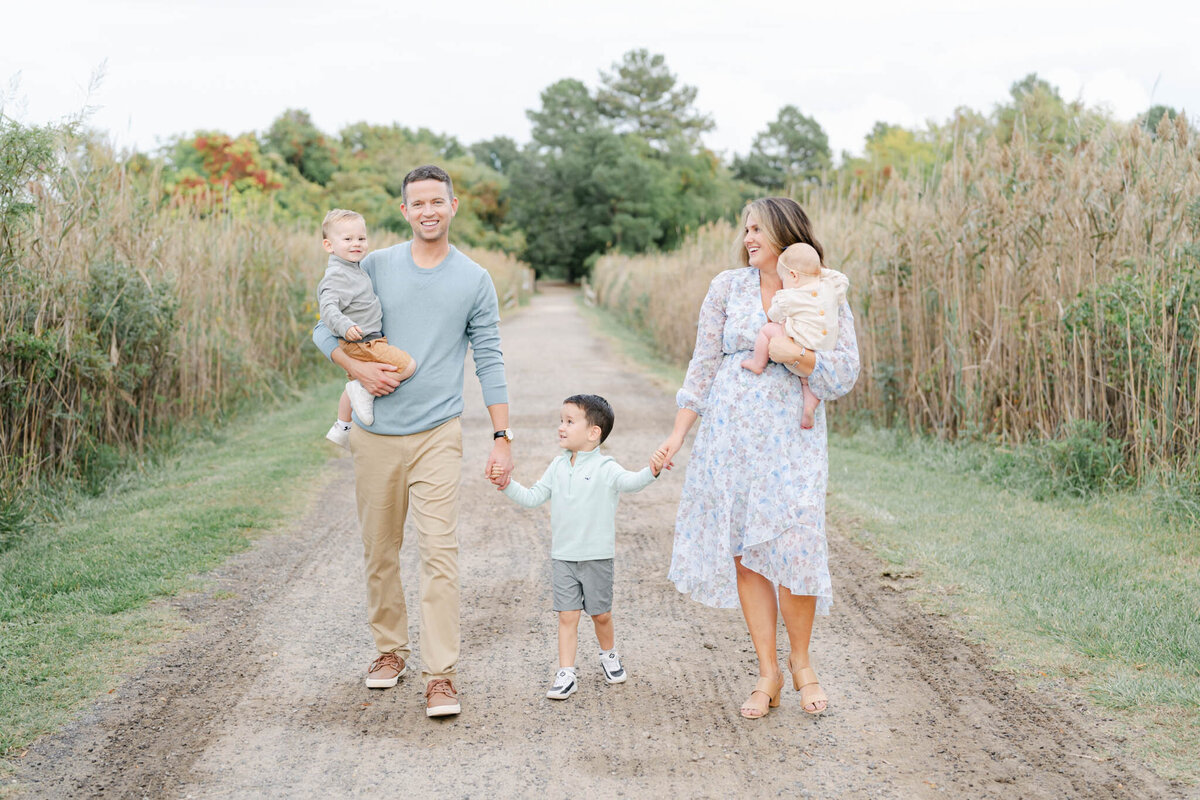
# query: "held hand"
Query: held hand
{"points": [[378, 379], [353, 334], [499, 464], [496, 476], [657, 459], [666, 451]]}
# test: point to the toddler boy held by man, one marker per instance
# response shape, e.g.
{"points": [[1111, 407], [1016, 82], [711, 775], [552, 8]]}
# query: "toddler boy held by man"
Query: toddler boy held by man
{"points": [[583, 487], [351, 311]]}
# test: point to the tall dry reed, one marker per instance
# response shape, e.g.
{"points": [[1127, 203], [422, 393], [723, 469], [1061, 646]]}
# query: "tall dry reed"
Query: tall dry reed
{"points": [[123, 313], [1013, 294]]}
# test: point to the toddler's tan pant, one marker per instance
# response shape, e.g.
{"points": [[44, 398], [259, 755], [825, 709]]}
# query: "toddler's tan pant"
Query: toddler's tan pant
{"points": [[392, 475], [377, 350]]}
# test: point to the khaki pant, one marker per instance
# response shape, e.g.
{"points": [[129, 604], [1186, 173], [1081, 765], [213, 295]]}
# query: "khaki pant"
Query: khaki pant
{"points": [[394, 474], [377, 350]]}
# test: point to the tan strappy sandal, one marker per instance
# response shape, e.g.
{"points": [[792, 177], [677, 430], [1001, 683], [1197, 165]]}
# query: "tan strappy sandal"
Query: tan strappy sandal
{"points": [[768, 688], [802, 679]]}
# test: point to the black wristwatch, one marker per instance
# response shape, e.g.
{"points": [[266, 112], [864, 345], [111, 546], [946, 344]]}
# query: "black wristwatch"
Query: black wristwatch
{"points": [[505, 434]]}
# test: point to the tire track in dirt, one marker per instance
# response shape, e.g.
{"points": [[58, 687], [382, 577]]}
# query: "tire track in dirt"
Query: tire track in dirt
{"points": [[264, 698]]}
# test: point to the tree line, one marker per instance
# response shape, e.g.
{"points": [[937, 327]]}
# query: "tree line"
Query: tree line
{"points": [[620, 167]]}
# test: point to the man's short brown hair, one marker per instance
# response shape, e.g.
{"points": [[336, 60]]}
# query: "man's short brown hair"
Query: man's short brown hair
{"points": [[428, 172]]}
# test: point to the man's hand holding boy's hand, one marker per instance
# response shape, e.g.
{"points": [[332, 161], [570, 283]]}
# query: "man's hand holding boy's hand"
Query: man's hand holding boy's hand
{"points": [[353, 333], [498, 476]]}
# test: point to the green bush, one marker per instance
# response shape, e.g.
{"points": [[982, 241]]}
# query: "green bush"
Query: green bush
{"points": [[97, 464], [78, 396], [15, 519], [133, 319], [1081, 462], [1178, 499]]}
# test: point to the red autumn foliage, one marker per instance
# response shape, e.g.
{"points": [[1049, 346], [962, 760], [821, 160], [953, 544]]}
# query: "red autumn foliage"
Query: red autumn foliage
{"points": [[228, 161]]}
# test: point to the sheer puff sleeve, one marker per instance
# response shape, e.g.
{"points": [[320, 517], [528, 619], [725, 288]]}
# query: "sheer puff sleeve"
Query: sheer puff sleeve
{"points": [[709, 350], [837, 369]]}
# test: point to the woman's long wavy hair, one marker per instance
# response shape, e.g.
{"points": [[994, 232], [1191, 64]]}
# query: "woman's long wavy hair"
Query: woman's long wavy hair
{"points": [[783, 223]]}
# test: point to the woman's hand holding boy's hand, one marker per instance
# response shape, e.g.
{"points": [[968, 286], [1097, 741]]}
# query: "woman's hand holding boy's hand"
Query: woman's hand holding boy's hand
{"points": [[353, 333], [685, 418], [657, 461], [665, 453]]}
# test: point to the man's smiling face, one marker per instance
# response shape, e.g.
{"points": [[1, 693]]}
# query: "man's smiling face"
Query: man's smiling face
{"points": [[429, 209]]}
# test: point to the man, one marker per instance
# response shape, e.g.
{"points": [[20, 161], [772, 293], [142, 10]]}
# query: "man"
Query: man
{"points": [[435, 301]]}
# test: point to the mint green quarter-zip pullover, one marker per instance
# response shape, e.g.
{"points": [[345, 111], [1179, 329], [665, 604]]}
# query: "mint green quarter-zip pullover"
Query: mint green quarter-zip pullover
{"points": [[583, 502]]}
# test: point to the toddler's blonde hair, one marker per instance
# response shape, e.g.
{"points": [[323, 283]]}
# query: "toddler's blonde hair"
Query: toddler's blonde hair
{"points": [[335, 216]]}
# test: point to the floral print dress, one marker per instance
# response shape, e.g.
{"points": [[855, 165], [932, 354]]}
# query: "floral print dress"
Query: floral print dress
{"points": [[755, 483]]}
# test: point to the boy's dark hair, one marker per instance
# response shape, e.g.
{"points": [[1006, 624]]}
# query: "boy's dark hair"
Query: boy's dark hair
{"points": [[596, 410], [429, 172]]}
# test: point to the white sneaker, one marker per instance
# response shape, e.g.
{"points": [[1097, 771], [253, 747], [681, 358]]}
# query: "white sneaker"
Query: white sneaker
{"points": [[564, 685], [611, 664], [339, 436], [362, 401]]}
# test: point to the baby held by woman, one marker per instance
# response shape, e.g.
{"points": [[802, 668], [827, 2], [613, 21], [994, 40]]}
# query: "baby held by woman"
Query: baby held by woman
{"points": [[806, 309]]}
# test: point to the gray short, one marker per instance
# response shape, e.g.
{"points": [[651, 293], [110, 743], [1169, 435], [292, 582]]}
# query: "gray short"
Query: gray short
{"points": [[586, 585]]}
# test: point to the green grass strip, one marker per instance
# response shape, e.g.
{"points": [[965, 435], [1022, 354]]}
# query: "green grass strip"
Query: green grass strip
{"points": [[1097, 593], [77, 597]]}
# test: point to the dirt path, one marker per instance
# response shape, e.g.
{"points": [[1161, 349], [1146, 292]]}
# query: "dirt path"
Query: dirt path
{"points": [[265, 697]]}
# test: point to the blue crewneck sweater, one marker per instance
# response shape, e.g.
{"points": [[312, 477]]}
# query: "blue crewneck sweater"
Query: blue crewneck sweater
{"points": [[432, 314]]}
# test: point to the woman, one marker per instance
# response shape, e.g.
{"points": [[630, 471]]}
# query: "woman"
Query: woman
{"points": [[751, 523]]}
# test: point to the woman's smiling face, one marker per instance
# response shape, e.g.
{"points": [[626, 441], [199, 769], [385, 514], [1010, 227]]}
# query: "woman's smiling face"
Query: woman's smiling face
{"points": [[759, 250]]}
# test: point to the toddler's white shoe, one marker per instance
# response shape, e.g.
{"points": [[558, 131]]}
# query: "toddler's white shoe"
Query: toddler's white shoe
{"points": [[564, 684], [339, 436], [362, 401], [610, 662]]}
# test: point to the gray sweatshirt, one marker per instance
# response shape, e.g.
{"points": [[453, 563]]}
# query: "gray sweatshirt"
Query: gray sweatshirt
{"points": [[346, 297]]}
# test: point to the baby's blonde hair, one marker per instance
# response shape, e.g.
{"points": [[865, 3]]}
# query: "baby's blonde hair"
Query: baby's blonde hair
{"points": [[336, 216], [801, 257]]}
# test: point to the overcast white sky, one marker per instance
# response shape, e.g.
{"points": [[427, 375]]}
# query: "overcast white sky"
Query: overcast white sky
{"points": [[471, 68]]}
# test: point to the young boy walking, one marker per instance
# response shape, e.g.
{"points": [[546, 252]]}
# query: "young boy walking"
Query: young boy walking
{"points": [[583, 487]]}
